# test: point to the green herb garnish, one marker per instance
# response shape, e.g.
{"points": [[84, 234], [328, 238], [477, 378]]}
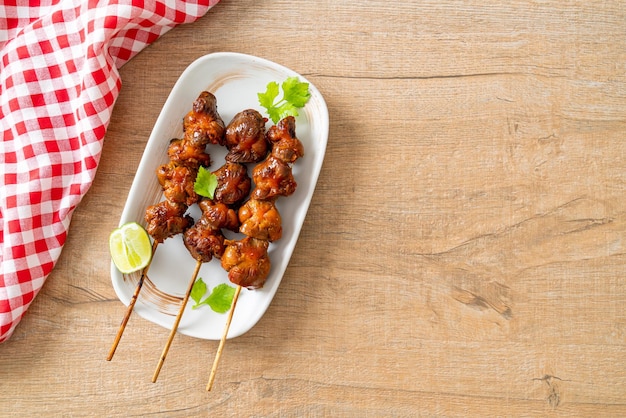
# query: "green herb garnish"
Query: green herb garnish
{"points": [[220, 299], [206, 183], [295, 95], [197, 291]]}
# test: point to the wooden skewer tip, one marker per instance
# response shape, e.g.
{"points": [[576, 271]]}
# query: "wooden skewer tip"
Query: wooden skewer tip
{"points": [[220, 348], [131, 305], [155, 376]]}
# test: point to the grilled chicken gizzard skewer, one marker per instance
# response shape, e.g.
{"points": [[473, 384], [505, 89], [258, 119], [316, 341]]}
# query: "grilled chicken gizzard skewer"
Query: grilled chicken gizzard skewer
{"points": [[259, 217], [205, 239], [201, 125], [247, 260]]}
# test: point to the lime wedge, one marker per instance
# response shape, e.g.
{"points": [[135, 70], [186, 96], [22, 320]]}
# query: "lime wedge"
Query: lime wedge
{"points": [[130, 247]]}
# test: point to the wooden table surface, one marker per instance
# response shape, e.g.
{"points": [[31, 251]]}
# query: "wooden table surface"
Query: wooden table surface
{"points": [[464, 253]]}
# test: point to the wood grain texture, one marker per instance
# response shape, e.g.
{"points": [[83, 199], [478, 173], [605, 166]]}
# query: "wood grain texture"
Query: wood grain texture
{"points": [[464, 252]]}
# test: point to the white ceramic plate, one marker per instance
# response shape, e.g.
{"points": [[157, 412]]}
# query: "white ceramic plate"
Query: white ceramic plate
{"points": [[235, 79]]}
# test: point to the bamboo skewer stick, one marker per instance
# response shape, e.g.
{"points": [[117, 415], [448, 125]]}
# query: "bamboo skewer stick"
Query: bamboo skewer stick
{"points": [[176, 322], [218, 355], [131, 305]]}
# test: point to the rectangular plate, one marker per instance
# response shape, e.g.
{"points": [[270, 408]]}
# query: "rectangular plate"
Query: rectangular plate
{"points": [[235, 79]]}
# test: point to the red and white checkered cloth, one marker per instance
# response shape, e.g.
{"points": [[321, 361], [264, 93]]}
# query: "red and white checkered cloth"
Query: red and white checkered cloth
{"points": [[58, 84]]}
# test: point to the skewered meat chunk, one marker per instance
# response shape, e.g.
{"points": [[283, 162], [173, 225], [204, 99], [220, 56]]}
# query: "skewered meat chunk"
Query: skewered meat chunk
{"points": [[218, 215], [285, 145], [260, 219], [247, 262], [177, 183], [233, 183], [182, 152], [203, 125], [166, 219], [203, 241], [245, 137], [272, 178]]}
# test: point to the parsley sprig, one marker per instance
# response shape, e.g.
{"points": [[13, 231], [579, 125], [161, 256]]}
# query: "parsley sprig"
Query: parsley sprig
{"points": [[295, 95]]}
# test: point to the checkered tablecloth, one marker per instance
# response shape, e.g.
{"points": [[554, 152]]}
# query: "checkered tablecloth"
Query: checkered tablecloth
{"points": [[59, 80]]}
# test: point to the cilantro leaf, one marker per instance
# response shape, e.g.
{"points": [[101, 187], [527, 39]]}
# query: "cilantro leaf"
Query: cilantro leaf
{"points": [[296, 92], [221, 298], [274, 113], [295, 95], [197, 291], [267, 99], [286, 109], [206, 183]]}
